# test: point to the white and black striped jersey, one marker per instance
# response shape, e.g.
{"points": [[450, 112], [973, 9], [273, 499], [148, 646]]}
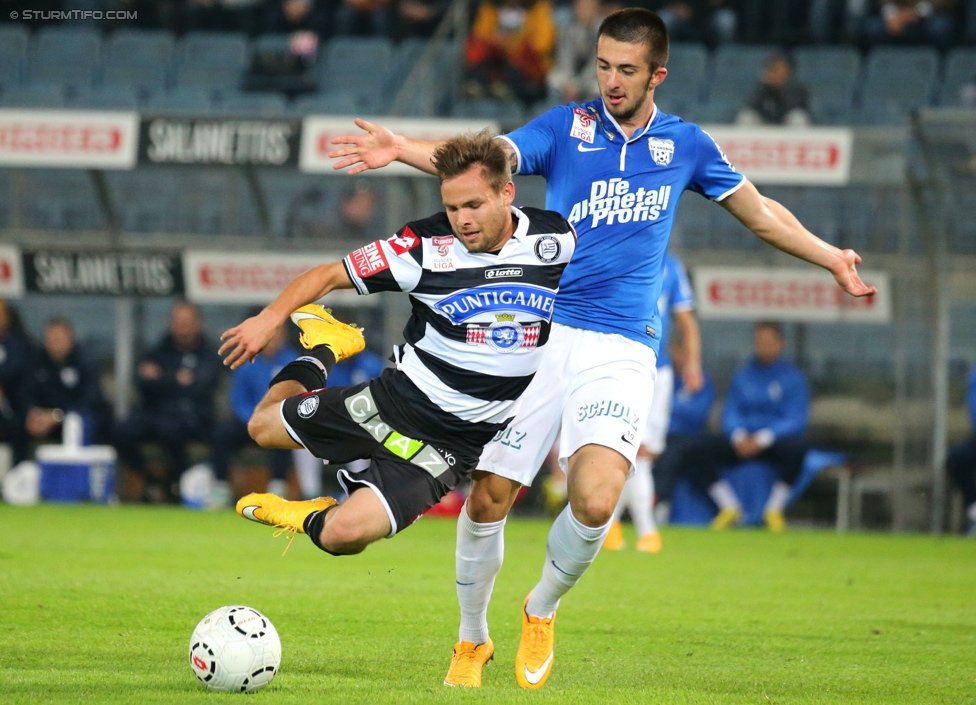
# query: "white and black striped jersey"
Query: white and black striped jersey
{"points": [[479, 320]]}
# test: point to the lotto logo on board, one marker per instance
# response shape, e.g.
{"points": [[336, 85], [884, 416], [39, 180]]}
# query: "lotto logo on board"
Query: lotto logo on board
{"points": [[369, 260]]}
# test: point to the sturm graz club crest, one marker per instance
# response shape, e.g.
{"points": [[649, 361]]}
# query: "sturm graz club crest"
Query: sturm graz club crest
{"points": [[547, 248], [307, 406], [662, 151], [506, 334]]}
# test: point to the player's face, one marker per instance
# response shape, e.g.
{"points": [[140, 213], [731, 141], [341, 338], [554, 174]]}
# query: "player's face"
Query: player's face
{"points": [[480, 216], [626, 81]]}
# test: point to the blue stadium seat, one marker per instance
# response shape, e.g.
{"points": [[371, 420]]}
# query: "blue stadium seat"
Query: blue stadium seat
{"points": [[107, 97], [897, 80], [14, 41], [186, 99], [683, 89], [66, 56], [61, 199], [960, 71], [141, 47], [507, 112], [736, 69], [33, 95], [264, 105], [327, 103], [215, 59], [360, 65], [831, 74]]}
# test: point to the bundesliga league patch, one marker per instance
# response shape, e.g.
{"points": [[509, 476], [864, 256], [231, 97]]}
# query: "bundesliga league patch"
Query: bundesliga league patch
{"points": [[443, 260], [584, 125]]}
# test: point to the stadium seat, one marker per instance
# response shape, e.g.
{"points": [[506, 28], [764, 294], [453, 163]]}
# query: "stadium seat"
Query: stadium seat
{"points": [[682, 91], [66, 56], [140, 47], [425, 98], [14, 41], [327, 103], [215, 59], [896, 81], [107, 97], [360, 65], [962, 225], [960, 75], [831, 74], [187, 99], [33, 95], [736, 70], [264, 105]]}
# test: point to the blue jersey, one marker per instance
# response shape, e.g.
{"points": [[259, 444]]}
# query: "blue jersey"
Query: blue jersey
{"points": [[676, 295], [621, 196], [773, 397]]}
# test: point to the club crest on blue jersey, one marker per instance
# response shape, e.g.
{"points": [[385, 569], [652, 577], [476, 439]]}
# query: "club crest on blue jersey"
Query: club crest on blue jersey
{"points": [[491, 298], [662, 151]]}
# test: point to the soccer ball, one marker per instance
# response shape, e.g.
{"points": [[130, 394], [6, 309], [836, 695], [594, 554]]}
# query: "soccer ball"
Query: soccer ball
{"points": [[235, 649]]}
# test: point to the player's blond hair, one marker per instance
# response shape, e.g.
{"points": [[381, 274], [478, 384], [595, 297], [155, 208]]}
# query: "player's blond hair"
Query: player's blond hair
{"points": [[461, 153]]}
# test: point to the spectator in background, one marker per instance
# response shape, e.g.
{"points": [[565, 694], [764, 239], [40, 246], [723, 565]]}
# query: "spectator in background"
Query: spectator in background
{"points": [[910, 22], [364, 17], [689, 420], [311, 215], [248, 386], [61, 380], [15, 355], [417, 18], [961, 462], [765, 417], [779, 99], [572, 78], [299, 18], [510, 50], [177, 381]]}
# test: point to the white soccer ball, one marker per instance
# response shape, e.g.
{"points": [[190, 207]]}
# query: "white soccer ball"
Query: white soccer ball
{"points": [[235, 649]]}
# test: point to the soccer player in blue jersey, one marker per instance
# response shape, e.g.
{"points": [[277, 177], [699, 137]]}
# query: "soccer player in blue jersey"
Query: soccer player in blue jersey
{"points": [[637, 497], [615, 167]]}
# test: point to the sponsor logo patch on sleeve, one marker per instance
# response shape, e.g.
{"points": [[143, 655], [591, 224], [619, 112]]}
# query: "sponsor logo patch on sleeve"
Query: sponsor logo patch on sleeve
{"points": [[368, 260], [404, 242], [584, 125]]}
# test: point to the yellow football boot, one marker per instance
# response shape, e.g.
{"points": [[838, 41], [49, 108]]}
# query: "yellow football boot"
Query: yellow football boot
{"points": [[615, 538], [650, 543], [533, 662], [467, 662], [726, 518], [320, 328], [274, 511]]}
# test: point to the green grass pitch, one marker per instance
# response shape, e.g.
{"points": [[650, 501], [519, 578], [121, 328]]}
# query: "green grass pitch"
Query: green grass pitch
{"points": [[97, 605]]}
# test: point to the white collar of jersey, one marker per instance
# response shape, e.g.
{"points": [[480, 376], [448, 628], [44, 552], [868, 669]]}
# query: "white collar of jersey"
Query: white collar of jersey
{"points": [[639, 133], [522, 224]]}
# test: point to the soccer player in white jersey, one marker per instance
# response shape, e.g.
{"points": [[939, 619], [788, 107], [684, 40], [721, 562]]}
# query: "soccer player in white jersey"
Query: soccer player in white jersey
{"points": [[482, 280], [615, 167], [637, 497]]}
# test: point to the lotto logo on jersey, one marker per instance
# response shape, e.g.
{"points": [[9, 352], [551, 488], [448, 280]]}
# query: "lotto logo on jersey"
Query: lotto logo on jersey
{"points": [[404, 242], [584, 125], [368, 260], [613, 202]]}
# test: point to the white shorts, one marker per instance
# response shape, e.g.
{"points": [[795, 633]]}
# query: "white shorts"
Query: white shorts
{"points": [[659, 416], [590, 388]]}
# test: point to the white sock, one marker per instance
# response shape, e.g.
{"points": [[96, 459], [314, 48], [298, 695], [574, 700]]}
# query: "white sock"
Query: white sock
{"points": [[971, 512], [641, 497], [570, 549], [724, 496], [478, 558], [778, 497]]}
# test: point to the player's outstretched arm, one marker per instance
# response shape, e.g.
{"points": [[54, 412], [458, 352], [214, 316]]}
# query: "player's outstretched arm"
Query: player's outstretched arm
{"points": [[379, 147], [243, 342], [776, 225]]}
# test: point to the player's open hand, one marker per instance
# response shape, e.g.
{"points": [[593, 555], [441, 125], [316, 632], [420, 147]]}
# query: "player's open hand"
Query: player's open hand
{"points": [[846, 275], [372, 150], [243, 342]]}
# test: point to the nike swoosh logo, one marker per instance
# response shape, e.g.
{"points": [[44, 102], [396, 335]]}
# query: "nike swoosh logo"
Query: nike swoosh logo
{"points": [[581, 148], [534, 677], [248, 513], [626, 440]]}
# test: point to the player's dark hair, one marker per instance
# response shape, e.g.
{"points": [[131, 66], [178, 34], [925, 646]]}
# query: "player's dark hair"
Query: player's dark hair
{"points": [[635, 25], [460, 153]]}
